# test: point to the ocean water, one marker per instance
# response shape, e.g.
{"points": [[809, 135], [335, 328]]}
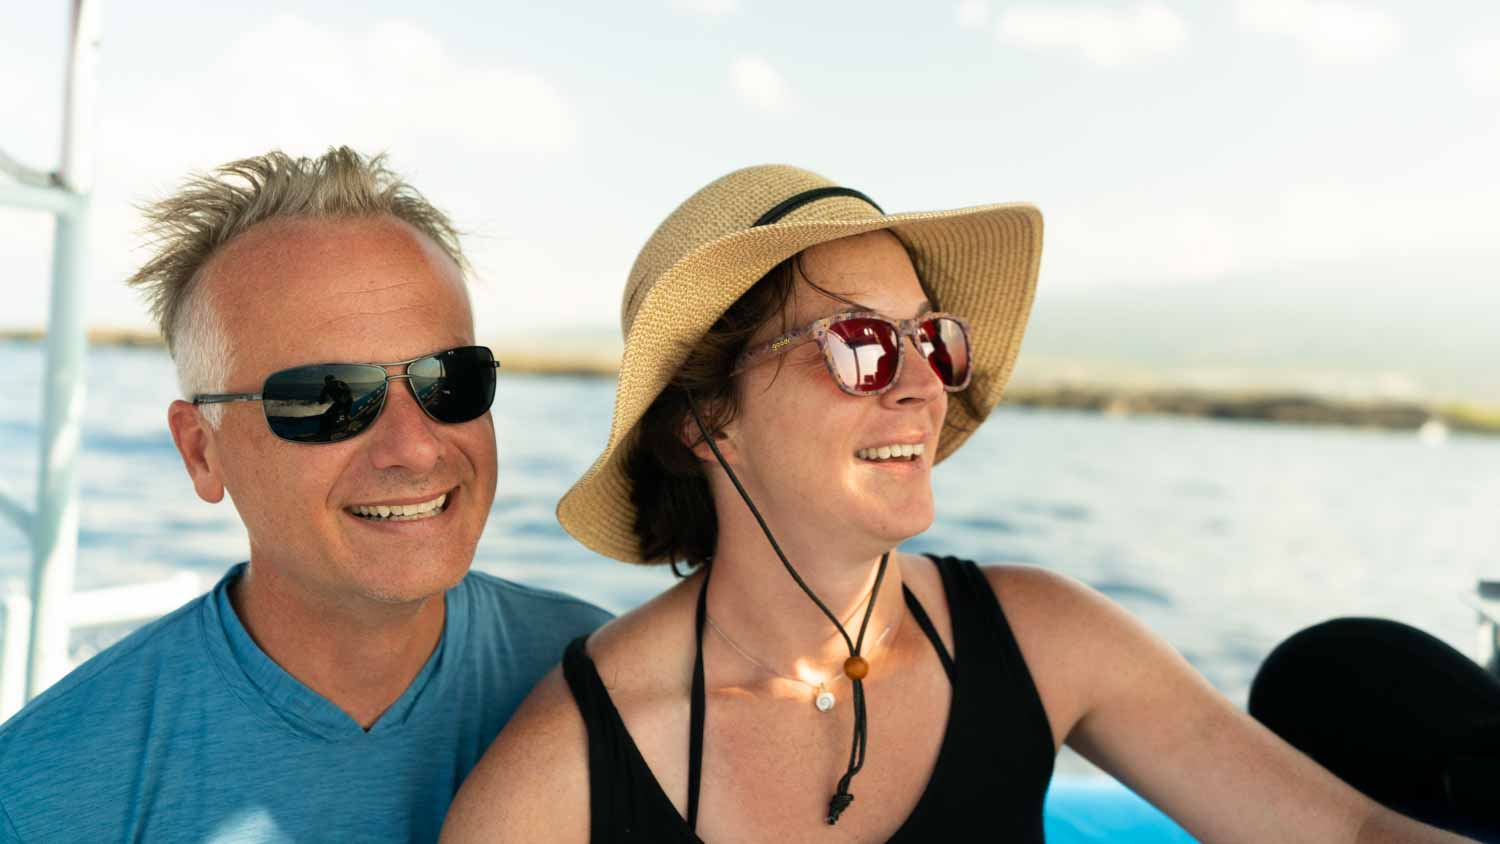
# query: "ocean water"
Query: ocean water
{"points": [[1223, 537]]}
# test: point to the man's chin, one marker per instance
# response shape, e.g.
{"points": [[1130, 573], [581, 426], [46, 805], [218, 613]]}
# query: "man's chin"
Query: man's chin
{"points": [[399, 563], [404, 581]]}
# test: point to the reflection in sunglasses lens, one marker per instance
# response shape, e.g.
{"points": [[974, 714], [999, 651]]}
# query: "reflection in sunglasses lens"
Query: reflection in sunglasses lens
{"points": [[457, 385], [947, 349], [864, 353], [323, 403]]}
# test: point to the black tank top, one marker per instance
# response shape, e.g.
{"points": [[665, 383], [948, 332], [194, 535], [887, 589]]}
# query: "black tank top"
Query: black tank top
{"points": [[992, 769]]}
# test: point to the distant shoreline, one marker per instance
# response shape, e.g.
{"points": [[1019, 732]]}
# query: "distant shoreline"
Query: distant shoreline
{"points": [[119, 337], [1283, 406], [576, 363]]}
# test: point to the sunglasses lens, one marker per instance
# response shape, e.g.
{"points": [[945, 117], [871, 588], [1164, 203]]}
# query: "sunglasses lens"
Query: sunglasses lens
{"points": [[946, 347], [455, 386], [323, 403], [864, 353]]}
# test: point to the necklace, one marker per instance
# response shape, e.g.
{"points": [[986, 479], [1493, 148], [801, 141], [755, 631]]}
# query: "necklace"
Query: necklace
{"points": [[824, 700]]}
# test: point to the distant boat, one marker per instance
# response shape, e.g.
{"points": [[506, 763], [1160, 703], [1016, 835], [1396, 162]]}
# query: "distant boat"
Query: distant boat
{"points": [[1433, 432]]}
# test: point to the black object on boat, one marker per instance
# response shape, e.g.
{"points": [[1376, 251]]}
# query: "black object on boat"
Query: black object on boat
{"points": [[1394, 712]]}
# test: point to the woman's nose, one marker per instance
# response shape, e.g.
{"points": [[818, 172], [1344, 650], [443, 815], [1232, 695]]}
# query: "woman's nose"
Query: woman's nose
{"points": [[918, 381]]}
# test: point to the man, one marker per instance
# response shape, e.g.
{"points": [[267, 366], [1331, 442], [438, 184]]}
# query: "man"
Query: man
{"points": [[341, 683]]}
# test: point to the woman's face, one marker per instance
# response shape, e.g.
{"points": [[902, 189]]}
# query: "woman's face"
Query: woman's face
{"points": [[798, 439]]}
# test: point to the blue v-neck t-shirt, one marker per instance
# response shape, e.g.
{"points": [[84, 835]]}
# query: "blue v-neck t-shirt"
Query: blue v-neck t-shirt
{"points": [[187, 731]]}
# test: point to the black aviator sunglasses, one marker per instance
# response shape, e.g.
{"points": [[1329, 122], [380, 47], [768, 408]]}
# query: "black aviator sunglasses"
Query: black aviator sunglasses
{"points": [[329, 402]]}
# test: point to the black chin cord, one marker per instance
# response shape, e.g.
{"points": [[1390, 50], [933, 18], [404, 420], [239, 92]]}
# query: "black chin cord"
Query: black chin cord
{"points": [[855, 665]]}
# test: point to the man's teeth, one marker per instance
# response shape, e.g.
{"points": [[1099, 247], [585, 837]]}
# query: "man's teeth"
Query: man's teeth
{"points": [[890, 452], [402, 512]]}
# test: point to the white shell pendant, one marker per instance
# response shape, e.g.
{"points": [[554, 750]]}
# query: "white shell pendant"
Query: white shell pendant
{"points": [[825, 700]]}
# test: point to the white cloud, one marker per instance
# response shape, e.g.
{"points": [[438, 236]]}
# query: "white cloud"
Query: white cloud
{"points": [[973, 14], [292, 83], [1103, 36], [1480, 65], [507, 264], [1142, 245], [1320, 223], [1300, 225], [1328, 31], [708, 8], [452, 124], [760, 85]]}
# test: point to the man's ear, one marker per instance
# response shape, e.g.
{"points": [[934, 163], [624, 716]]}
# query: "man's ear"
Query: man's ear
{"points": [[195, 442]]}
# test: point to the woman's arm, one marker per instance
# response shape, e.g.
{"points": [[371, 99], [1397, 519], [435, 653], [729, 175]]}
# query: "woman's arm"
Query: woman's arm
{"points": [[533, 782], [1129, 703]]}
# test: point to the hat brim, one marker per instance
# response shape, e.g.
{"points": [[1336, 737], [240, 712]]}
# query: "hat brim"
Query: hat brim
{"points": [[979, 262]]}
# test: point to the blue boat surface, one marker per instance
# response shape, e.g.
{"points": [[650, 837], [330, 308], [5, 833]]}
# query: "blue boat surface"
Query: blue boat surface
{"points": [[1084, 809]]}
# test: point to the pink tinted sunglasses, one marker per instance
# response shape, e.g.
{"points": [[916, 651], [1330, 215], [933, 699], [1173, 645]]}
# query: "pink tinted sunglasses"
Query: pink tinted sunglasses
{"points": [[863, 350]]}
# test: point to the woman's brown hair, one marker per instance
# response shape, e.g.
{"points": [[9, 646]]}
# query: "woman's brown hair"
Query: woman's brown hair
{"points": [[675, 518]]}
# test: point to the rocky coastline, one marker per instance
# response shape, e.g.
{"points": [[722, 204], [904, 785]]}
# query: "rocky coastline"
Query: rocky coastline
{"points": [[1292, 408]]}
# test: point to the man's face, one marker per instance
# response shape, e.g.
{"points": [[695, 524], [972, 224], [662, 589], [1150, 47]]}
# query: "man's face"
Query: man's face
{"points": [[355, 291]]}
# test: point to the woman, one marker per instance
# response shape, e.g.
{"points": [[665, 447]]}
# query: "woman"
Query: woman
{"points": [[795, 363]]}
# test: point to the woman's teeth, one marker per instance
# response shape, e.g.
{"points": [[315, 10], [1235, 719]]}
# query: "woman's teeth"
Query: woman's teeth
{"points": [[402, 512], [890, 452]]}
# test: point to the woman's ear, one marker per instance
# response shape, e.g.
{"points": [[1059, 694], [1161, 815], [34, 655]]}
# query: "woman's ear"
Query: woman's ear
{"points": [[692, 436]]}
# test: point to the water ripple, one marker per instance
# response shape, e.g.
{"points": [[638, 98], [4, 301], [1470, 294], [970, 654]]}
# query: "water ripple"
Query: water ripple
{"points": [[1127, 592]]}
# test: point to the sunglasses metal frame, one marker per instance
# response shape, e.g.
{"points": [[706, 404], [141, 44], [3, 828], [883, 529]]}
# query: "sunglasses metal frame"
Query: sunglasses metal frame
{"points": [[403, 375], [817, 331]]}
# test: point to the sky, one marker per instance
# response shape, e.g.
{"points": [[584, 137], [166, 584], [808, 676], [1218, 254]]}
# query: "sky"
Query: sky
{"points": [[1319, 156]]}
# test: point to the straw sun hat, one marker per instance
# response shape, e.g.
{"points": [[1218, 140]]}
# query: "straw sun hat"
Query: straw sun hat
{"points": [[980, 263]]}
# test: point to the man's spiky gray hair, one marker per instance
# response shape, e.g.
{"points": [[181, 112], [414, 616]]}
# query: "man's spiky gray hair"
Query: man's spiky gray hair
{"points": [[211, 209]]}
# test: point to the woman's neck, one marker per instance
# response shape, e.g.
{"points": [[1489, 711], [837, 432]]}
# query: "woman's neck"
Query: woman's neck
{"points": [[762, 611]]}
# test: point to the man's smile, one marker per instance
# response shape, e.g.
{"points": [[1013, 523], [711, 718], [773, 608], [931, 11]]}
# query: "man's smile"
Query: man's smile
{"points": [[404, 510]]}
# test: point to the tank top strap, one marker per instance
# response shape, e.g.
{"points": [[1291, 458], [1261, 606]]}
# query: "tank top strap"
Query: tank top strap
{"points": [[925, 622], [997, 751], [987, 657], [699, 707], [625, 802], [607, 735], [972, 608]]}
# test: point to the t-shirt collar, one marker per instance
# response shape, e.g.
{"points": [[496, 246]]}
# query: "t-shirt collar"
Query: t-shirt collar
{"points": [[264, 684]]}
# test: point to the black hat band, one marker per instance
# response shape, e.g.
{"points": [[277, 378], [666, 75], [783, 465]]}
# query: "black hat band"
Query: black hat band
{"points": [[792, 203]]}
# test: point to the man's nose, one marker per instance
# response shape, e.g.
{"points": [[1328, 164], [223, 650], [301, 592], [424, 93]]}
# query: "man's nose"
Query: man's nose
{"points": [[404, 436]]}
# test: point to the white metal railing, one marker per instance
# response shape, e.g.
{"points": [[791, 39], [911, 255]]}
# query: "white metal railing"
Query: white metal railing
{"points": [[52, 526], [36, 628]]}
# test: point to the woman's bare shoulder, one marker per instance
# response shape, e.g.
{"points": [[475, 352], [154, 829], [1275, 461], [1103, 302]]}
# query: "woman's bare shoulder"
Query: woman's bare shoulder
{"points": [[547, 740], [1027, 591], [1132, 705], [645, 661], [1070, 636], [1026, 588], [649, 644]]}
